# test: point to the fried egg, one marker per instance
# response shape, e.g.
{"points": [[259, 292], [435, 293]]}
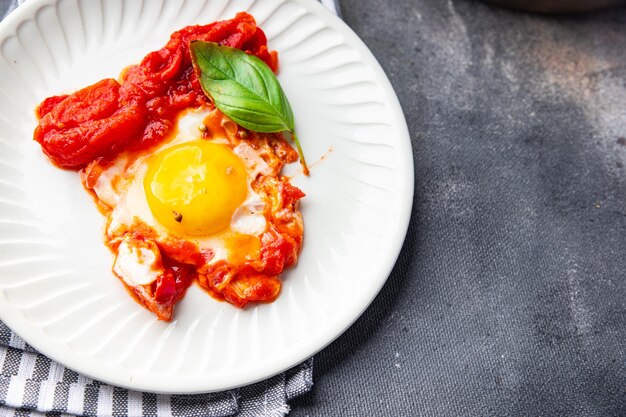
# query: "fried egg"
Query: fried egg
{"points": [[198, 198]]}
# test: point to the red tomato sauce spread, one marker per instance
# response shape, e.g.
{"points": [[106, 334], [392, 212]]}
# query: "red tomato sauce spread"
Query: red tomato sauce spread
{"points": [[140, 110], [87, 129]]}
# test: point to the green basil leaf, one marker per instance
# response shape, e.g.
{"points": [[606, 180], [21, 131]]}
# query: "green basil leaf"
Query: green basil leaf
{"points": [[242, 87]]}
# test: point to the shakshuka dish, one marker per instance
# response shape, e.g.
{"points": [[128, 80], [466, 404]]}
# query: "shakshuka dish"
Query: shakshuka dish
{"points": [[188, 195]]}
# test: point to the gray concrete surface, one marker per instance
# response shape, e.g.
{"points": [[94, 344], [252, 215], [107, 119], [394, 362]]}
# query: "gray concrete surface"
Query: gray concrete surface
{"points": [[509, 296]]}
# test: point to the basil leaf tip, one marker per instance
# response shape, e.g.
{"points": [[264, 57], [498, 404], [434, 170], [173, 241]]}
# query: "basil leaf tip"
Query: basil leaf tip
{"points": [[245, 89]]}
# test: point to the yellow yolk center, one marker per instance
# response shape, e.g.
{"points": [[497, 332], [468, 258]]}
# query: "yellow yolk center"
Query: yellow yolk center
{"points": [[194, 188]]}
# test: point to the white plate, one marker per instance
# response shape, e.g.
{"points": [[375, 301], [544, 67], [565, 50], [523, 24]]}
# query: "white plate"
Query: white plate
{"points": [[56, 286]]}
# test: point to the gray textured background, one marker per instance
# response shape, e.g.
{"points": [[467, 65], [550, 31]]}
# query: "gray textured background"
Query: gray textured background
{"points": [[509, 296]]}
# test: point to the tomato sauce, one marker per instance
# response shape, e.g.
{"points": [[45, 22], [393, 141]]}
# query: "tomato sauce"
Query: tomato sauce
{"points": [[140, 110], [87, 129]]}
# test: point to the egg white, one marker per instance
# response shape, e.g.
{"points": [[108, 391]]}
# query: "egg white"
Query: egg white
{"points": [[120, 187]]}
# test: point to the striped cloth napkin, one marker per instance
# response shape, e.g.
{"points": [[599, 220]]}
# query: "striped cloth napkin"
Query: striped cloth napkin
{"points": [[33, 385]]}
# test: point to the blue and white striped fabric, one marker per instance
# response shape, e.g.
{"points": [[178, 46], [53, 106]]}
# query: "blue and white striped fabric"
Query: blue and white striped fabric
{"points": [[33, 385]]}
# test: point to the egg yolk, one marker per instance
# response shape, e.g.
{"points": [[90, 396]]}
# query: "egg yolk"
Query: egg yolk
{"points": [[194, 188]]}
